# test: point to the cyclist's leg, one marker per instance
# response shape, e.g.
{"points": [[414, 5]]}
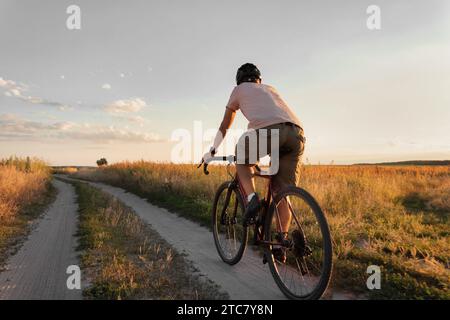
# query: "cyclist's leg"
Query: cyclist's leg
{"points": [[245, 174], [289, 171], [247, 156]]}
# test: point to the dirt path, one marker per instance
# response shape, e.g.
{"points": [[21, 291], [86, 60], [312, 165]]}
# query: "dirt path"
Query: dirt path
{"points": [[38, 269], [249, 279]]}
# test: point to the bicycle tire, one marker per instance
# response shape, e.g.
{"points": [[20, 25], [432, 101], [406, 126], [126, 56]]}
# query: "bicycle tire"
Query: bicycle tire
{"points": [[225, 187], [327, 249]]}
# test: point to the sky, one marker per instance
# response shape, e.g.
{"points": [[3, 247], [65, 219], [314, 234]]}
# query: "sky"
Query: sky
{"points": [[137, 72]]}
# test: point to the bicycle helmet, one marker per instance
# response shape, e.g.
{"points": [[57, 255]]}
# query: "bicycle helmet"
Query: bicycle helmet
{"points": [[248, 73]]}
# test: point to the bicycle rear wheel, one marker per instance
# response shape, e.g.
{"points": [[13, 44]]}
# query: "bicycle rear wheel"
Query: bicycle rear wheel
{"points": [[230, 237], [301, 260]]}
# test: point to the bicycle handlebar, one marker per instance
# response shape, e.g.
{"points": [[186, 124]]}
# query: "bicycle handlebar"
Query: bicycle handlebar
{"points": [[206, 162], [230, 159]]}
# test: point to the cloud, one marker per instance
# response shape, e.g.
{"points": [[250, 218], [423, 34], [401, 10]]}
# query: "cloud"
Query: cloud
{"points": [[45, 102], [4, 83], [13, 127], [106, 86], [109, 134], [13, 89], [15, 92], [125, 106], [137, 120]]}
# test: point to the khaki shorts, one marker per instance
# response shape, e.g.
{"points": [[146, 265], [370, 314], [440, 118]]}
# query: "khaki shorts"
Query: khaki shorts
{"points": [[291, 147]]}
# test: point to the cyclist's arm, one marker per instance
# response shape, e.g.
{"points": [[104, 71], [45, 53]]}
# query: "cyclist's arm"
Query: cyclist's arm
{"points": [[227, 121]]}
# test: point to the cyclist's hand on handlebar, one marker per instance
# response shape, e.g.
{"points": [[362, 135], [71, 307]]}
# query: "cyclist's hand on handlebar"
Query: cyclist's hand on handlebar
{"points": [[205, 158], [204, 163], [208, 155]]}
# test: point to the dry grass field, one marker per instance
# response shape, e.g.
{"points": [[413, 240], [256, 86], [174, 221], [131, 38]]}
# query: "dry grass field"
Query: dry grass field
{"points": [[394, 217], [24, 190], [21, 184]]}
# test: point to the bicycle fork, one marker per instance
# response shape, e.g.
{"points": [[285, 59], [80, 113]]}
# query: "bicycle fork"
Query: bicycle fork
{"points": [[224, 218]]}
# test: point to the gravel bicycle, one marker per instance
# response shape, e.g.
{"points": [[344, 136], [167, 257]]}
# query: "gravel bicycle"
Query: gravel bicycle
{"points": [[303, 270]]}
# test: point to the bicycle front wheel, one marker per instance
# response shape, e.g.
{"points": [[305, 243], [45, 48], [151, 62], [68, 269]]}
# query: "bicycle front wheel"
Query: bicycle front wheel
{"points": [[230, 236], [300, 259]]}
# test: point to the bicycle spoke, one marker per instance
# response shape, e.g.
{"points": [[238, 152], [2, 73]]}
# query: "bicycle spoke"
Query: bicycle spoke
{"points": [[304, 247], [229, 234], [301, 273], [313, 265]]}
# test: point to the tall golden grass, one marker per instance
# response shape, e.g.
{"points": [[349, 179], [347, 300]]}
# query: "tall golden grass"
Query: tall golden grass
{"points": [[396, 217], [64, 170], [22, 183]]}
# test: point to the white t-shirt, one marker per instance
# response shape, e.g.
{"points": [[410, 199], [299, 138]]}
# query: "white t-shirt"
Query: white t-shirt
{"points": [[261, 104]]}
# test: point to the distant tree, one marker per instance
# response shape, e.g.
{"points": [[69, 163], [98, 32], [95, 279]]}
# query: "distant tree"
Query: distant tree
{"points": [[102, 162]]}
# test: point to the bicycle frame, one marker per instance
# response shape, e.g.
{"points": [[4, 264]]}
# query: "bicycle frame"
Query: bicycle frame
{"points": [[259, 227]]}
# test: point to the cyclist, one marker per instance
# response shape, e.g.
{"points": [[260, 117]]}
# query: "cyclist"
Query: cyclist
{"points": [[264, 108]]}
